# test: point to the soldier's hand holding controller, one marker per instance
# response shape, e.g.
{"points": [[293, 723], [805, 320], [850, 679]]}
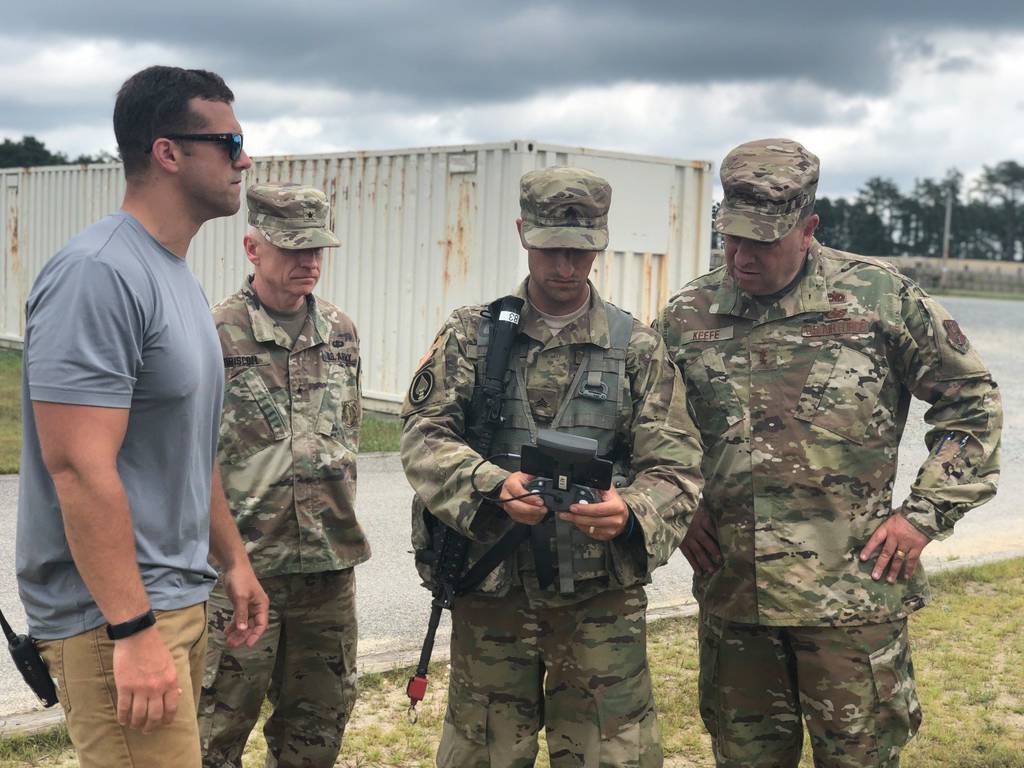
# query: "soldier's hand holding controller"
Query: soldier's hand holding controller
{"points": [[529, 510], [602, 521]]}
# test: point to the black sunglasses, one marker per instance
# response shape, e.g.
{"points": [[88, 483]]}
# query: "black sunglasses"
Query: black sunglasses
{"points": [[232, 141]]}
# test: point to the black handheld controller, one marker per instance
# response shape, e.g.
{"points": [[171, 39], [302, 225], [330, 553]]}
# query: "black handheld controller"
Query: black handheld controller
{"points": [[559, 500], [566, 468]]}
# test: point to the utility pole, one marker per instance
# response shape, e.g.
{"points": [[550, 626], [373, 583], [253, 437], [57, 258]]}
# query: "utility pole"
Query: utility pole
{"points": [[945, 236]]}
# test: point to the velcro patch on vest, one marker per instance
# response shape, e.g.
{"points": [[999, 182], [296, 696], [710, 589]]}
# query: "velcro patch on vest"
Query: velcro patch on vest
{"points": [[439, 342], [246, 361], [707, 334], [840, 328]]}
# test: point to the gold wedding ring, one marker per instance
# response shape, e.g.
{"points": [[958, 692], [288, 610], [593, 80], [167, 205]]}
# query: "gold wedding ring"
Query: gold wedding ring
{"points": [[590, 530], [900, 554]]}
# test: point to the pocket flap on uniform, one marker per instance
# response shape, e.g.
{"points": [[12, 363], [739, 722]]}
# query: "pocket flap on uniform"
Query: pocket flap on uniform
{"points": [[885, 664], [265, 401], [467, 712], [719, 407], [341, 414], [898, 711], [840, 391], [623, 703]]}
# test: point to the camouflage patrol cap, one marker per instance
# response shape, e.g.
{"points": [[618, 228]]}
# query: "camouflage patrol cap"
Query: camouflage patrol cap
{"points": [[565, 207], [767, 183], [291, 216]]}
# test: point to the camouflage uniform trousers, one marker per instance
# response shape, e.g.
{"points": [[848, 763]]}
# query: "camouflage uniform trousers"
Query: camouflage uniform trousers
{"points": [[853, 686], [579, 670], [305, 663]]}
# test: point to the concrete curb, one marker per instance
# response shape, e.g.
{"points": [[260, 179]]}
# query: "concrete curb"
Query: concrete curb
{"points": [[37, 721], [27, 723]]}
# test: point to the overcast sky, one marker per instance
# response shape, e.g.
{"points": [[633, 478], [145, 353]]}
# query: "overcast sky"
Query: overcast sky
{"points": [[897, 88]]}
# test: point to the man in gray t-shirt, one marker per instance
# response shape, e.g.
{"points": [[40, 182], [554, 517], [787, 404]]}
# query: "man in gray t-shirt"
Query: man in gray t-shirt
{"points": [[116, 320], [120, 502]]}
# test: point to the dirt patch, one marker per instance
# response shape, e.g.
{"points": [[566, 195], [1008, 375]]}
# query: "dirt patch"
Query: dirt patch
{"points": [[981, 590]]}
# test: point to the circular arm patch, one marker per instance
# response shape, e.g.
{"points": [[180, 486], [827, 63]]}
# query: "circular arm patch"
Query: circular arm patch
{"points": [[421, 387]]}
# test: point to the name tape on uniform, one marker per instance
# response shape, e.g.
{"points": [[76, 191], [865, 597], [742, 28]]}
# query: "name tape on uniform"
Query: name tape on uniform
{"points": [[246, 361], [841, 328], [707, 334]]}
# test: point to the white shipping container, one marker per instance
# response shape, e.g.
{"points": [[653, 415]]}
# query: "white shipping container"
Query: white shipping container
{"points": [[422, 231]]}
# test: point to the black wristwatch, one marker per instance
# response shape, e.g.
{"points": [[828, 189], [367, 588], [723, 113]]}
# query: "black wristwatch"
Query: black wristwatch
{"points": [[130, 627]]}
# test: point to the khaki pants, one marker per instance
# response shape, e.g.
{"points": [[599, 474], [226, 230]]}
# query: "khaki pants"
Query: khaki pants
{"points": [[83, 668]]}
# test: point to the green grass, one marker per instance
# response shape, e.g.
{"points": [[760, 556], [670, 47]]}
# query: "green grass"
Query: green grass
{"points": [[10, 411], [968, 651], [379, 432], [1010, 296], [49, 748]]}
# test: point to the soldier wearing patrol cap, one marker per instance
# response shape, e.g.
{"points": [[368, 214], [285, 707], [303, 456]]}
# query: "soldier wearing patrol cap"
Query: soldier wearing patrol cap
{"points": [[523, 655], [799, 362], [287, 455]]}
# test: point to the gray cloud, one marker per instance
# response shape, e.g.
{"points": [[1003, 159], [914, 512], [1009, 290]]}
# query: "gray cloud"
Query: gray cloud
{"points": [[325, 76], [958, 64], [24, 117], [449, 53]]}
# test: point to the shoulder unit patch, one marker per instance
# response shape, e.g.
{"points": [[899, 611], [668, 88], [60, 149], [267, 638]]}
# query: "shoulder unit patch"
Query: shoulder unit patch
{"points": [[421, 387], [957, 339]]}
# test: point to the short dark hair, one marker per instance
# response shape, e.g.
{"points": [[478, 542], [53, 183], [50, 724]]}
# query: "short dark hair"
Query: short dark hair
{"points": [[154, 102]]}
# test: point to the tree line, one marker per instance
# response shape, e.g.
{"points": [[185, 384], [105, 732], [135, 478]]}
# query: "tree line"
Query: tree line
{"points": [[987, 219], [31, 151], [986, 222]]}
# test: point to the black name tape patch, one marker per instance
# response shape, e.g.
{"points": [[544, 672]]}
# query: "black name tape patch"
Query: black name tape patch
{"points": [[245, 361], [343, 358]]}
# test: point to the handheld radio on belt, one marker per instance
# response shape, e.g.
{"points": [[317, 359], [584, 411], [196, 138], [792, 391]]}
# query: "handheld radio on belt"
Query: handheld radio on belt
{"points": [[30, 664]]}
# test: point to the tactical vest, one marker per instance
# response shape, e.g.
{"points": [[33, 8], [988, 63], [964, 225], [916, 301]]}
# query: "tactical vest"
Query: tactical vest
{"points": [[597, 405]]}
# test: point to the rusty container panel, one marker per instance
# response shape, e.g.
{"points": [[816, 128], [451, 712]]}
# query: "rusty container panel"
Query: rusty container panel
{"points": [[422, 232], [10, 331], [42, 209]]}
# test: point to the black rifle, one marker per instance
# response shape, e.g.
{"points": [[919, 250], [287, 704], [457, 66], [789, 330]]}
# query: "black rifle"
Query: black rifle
{"points": [[30, 664], [450, 548]]}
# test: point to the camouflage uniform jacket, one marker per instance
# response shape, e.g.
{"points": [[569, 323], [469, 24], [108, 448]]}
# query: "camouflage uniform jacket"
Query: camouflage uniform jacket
{"points": [[289, 436], [801, 404], [653, 422]]}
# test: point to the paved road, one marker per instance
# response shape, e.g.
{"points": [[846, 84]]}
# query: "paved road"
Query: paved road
{"points": [[393, 608]]}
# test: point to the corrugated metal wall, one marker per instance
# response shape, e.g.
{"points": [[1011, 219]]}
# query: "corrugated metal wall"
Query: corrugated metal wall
{"points": [[423, 231]]}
